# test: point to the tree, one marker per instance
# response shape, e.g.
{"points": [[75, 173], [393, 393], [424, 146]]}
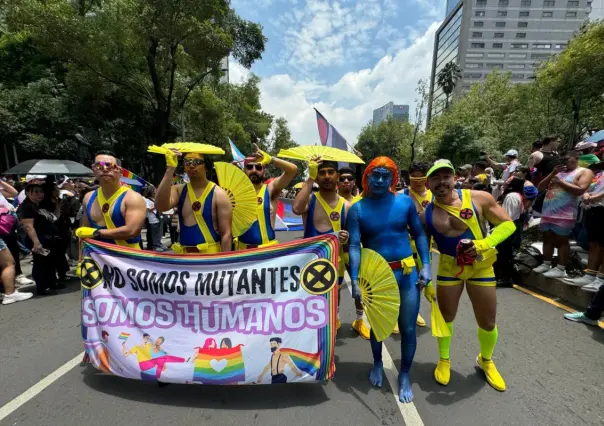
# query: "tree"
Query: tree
{"points": [[282, 137], [447, 79], [159, 51], [391, 138], [420, 103]]}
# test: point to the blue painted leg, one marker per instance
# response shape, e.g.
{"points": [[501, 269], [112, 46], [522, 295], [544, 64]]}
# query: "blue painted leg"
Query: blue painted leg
{"points": [[410, 297], [376, 375], [405, 394]]}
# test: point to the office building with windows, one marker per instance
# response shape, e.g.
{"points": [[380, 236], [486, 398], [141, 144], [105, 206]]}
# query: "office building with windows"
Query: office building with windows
{"points": [[510, 35], [398, 112]]}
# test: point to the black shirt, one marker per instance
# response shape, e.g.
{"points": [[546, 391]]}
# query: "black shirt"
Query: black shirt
{"points": [[547, 163], [45, 222]]}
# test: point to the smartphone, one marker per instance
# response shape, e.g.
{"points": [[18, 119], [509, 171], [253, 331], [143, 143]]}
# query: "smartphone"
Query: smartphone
{"points": [[44, 252]]}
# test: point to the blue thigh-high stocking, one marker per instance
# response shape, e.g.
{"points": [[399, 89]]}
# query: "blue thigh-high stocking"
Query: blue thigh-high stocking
{"points": [[410, 297]]}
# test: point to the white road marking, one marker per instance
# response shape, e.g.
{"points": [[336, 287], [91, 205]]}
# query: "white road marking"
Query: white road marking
{"points": [[32, 392], [408, 411]]}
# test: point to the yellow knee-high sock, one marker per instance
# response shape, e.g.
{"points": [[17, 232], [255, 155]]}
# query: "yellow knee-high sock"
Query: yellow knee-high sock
{"points": [[487, 340], [444, 343]]}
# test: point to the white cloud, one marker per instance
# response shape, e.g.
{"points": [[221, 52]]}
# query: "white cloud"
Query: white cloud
{"points": [[349, 103]]}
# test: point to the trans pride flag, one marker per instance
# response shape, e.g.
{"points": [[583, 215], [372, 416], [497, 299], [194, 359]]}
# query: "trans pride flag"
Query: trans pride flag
{"points": [[238, 157], [219, 366], [307, 362]]}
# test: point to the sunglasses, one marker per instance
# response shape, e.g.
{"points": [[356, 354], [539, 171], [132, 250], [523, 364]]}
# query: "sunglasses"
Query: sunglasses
{"points": [[346, 179], [258, 167], [104, 166], [193, 162]]}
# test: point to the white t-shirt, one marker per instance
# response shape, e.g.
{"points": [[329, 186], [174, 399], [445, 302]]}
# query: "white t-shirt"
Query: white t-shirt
{"points": [[512, 204], [5, 203], [151, 212]]}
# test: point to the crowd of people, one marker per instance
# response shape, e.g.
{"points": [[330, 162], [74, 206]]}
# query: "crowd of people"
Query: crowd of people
{"points": [[473, 216]]}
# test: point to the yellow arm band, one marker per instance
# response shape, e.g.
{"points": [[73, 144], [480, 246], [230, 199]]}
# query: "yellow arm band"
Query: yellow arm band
{"points": [[266, 159], [313, 170], [500, 233], [85, 232], [171, 159]]}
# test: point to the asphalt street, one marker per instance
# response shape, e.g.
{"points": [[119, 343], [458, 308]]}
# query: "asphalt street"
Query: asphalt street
{"points": [[554, 371]]}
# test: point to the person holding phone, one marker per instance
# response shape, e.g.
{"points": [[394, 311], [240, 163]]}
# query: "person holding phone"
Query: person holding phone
{"points": [[44, 238]]}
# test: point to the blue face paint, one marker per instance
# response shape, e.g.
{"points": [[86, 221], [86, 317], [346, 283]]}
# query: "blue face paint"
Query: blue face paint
{"points": [[379, 180]]}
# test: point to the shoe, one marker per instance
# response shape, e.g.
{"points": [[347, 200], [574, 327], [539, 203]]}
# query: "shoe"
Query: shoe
{"points": [[493, 377], [396, 330], [555, 273], [421, 322], [22, 281], [594, 286], [580, 317], [16, 297], [360, 327], [581, 281], [338, 324], [542, 268], [442, 373]]}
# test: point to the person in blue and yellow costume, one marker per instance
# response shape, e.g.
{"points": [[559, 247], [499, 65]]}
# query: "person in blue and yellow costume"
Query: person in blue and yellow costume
{"points": [[262, 233], [346, 187], [205, 211], [421, 197], [113, 213], [382, 221], [323, 212], [467, 255]]}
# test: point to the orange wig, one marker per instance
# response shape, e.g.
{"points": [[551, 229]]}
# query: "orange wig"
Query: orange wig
{"points": [[386, 163]]}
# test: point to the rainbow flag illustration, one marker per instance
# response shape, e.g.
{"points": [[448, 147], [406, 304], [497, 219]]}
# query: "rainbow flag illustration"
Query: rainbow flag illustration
{"points": [[307, 362], [124, 336], [219, 366], [133, 181]]}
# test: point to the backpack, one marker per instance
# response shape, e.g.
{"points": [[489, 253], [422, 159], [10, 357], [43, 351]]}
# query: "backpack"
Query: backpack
{"points": [[527, 259], [8, 221]]}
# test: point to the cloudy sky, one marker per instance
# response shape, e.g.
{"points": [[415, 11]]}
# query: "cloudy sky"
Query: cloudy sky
{"points": [[343, 57]]}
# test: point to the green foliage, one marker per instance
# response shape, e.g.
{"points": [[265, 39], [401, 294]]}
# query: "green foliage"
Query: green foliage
{"points": [[390, 138], [447, 79]]}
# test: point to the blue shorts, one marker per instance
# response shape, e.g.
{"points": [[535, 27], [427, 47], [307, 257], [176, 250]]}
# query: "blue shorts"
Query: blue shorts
{"points": [[2, 245], [563, 231]]}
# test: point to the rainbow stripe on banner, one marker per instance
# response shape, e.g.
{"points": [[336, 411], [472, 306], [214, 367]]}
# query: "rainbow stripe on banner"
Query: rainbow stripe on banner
{"points": [[219, 366], [307, 362]]}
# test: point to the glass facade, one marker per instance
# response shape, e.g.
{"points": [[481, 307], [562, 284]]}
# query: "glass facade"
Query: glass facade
{"points": [[447, 50], [450, 6], [397, 112]]}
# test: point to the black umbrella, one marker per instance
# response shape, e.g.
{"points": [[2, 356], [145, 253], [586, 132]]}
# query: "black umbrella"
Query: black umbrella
{"points": [[49, 167]]}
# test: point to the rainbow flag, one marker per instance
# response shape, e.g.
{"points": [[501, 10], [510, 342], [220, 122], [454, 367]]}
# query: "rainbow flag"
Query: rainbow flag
{"points": [[219, 366], [124, 336], [307, 362], [133, 181]]}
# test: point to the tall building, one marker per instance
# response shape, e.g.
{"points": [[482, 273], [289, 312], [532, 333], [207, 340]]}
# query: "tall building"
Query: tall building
{"points": [[511, 35], [398, 112]]}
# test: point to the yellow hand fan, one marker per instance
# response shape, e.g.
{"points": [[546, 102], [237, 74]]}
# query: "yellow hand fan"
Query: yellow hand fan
{"points": [[184, 147], [379, 293], [242, 194], [327, 153], [439, 325], [299, 185]]}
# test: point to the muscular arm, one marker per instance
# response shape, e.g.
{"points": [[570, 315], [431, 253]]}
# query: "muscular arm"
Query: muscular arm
{"points": [[134, 217], [280, 183], [300, 206], [579, 187], [224, 210], [417, 230], [354, 230], [534, 159], [494, 213], [166, 196]]}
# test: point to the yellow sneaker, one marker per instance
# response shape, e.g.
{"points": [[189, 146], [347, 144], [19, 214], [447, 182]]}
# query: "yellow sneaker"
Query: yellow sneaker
{"points": [[360, 327], [420, 321], [490, 371], [396, 330], [338, 325], [442, 373]]}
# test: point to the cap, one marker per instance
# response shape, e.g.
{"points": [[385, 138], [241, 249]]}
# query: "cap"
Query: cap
{"points": [[585, 145], [530, 192], [440, 164], [512, 153], [466, 167], [29, 178]]}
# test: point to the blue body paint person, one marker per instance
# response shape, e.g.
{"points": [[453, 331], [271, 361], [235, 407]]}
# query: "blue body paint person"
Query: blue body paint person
{"points": [[381, 221]]}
